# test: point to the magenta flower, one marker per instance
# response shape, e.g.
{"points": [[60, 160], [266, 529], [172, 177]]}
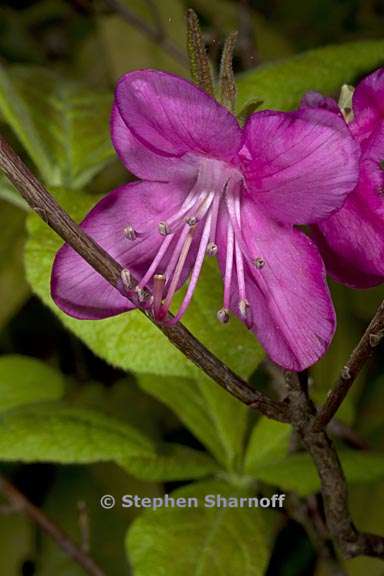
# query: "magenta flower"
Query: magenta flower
{"points": [[209, 187], [352, 240]]}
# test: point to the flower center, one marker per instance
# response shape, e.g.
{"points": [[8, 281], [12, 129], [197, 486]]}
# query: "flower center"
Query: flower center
{"points": [[189, 234]]}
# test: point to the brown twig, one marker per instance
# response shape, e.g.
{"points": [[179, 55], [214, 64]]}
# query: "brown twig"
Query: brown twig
{"points": [[154, 34], [49, 210], [333, 483], [363, 351], [23, 505]]}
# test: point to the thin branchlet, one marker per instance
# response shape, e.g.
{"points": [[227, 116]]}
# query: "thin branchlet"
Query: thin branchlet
{"points": [[363, 351]]}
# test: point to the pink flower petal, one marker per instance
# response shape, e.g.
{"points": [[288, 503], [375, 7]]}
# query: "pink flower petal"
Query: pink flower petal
{"points": [[76, 287], [368, 104], [171, 116], [300, 166], [352, 240], [141, 160], [291, 310]]}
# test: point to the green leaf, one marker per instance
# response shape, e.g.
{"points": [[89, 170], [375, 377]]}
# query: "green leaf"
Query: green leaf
{"points": [[213, 541], [63, 126], [269, 442], [58, 433], [123, 400], [183, 396], [297, 472], [8, 193], [130, 341], [171, 462], [17, 114], [25, 380], [13, 287], [281, 85], [203, 407], [230, 417], [54, 432]]}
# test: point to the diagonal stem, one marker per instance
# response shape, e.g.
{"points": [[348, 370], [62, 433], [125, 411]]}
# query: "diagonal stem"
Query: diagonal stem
{"points": [[23, 505], [49, 210], [363, 351]]}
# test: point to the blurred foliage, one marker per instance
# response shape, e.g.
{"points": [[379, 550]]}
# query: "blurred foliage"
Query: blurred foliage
{"points": [[112, 400]]}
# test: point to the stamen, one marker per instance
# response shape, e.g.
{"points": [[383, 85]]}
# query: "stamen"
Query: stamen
{"points": [[175, 253], [127, 280], [202, 209], [244, 306], [158, 291], [215, 214], [193, 199], [211, 249], [228, 266], [155, 262], [259, 263], [164, 228], [176, 276], [240, 271], [196, 270], [223, 315], [129, 232]]}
